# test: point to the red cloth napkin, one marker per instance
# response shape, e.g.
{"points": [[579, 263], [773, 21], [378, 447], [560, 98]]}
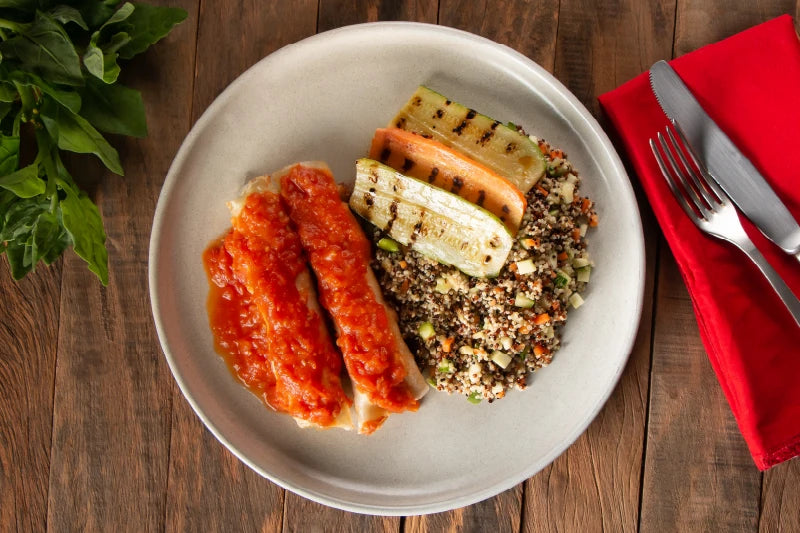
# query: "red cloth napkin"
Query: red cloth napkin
{"points": [[750, 85]]}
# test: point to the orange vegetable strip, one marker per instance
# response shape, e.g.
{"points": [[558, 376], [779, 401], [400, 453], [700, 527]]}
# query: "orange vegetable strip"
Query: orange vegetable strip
{"points": [[431, 161]]}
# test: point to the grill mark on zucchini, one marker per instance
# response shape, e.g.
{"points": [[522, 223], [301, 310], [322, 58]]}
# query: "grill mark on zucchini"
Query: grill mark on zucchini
{"points": [[368, 200], [458, 130], [439, 114], [471, 114], [417, 227], [493, 126], [487, 135], [401, 123], [393, 211]]}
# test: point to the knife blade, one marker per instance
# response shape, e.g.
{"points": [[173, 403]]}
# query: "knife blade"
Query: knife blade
{"points": [[724, 161]]}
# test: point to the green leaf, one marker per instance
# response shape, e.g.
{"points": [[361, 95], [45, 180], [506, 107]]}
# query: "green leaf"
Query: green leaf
{"points": [[120, 14], [114, 108], [5, 107], [30, 232], [22, 5], [65, 14], [147, 25], [66, 97], [9, 154], [95, 13], [75, 134], [45, 49], [8, 93], [102, 61], [85, 226], [25, 182]]}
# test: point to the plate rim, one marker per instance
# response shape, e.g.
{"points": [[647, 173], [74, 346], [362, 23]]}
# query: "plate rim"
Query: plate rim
{"points": [[473, 496]]}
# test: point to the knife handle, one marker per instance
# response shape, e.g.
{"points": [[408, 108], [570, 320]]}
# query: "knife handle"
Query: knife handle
{"points": [[784, 292]]}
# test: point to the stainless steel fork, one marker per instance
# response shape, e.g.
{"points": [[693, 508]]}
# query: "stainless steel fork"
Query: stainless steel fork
{"points": [[709, 207]]}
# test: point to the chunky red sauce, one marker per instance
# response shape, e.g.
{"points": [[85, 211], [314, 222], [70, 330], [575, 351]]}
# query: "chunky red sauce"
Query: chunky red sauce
{"points": [[274, 343], [340, 254]]}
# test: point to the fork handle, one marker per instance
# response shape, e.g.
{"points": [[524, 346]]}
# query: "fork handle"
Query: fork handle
{"points": [[784, 292]]}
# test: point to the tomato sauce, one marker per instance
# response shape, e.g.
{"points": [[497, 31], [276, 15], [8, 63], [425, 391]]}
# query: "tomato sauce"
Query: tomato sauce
{"points": [[263, 327], [340, 254]]}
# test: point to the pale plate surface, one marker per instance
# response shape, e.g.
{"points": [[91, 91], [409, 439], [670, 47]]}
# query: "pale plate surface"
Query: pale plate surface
{"points": [[322, 99]]}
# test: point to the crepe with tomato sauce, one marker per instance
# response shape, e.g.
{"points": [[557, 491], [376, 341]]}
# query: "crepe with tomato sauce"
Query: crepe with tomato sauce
{"points": [[385, 376], [265, 315]]}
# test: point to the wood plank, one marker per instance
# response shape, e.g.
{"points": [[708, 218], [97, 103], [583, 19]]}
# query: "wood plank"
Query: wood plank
{"points": [[337, 13], [701, 22], [779, 496], [530, 29], [28, 339], [209, 489], [697, 466], [594, 485], [502, 513], [112, 396]]}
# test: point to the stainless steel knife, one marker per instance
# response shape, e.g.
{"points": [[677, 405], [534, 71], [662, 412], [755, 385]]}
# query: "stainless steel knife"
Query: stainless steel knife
{"points": [[725, 163]]}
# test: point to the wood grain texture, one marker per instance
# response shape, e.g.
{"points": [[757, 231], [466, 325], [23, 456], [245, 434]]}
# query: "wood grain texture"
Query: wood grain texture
{"points": [[305, 516], [528, 27], [701, 22], [113, 389], [693, 443], [337, 13], [209, 488], [29, 318], [780, 494], [502, 514]]}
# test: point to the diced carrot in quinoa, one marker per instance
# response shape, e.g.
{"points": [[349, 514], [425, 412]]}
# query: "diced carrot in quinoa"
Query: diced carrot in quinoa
{"points": [[543, 318], [585, 205], [542, 190], [447, 344], [562, 256], [593, 221], [540, 350], [576, 234]]}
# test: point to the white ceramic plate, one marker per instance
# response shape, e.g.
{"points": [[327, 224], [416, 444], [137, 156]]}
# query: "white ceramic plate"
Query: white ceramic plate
{"points": [[322, 99]]}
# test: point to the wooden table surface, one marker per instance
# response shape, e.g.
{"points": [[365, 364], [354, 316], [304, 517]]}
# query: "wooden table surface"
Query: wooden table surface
{"points": [[95, 435]]}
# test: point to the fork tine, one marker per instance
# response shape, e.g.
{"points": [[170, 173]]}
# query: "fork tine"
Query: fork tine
{"points": [[681, 176], [710, 182], [696, 173], [671, 183]]}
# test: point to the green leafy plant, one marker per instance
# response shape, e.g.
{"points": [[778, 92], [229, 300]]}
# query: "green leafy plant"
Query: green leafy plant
{"points": [[58, 90]]}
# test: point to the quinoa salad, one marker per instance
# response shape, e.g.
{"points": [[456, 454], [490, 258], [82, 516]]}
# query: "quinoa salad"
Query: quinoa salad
{"points": [[481, 337]]}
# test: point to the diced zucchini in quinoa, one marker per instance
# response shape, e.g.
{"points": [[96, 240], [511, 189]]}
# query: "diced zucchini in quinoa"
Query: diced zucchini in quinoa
{"points": [[389, 245], [520, 300], [500, 358], [498, 146], [576, 300], [474, 397], [432, 221], [583, 274], [426, 331], [526, 266], [445, 366], [562, 279]]}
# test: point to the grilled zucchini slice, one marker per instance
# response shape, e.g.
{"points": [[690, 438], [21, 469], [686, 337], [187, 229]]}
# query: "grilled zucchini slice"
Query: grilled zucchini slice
{"points": [[506, 151], [436, 223]]}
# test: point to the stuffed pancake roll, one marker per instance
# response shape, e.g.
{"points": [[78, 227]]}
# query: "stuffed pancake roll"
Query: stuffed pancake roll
{"points": [[266, 257], [385, 376]]}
